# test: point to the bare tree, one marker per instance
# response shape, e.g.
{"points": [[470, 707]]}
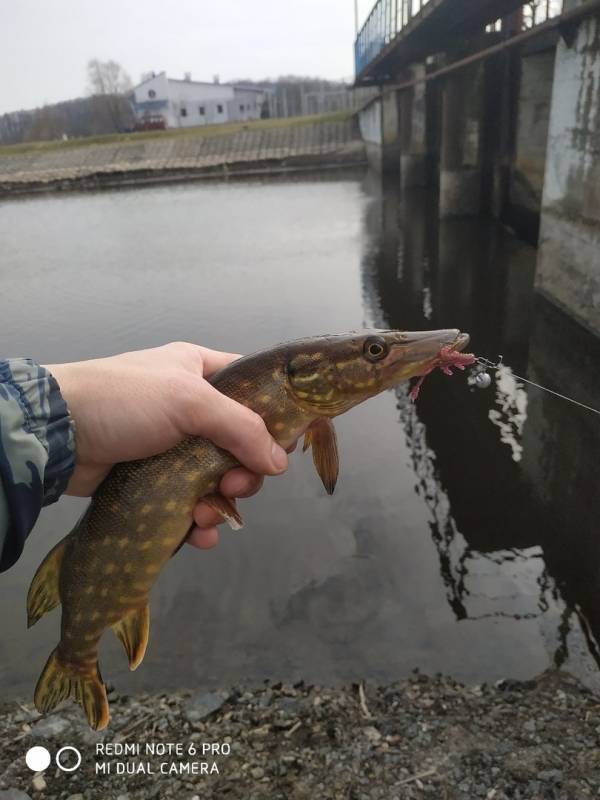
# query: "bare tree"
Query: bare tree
{"points": [[108, 79]]}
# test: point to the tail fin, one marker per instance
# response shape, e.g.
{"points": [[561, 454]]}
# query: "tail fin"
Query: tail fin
{"points": [[56, 683]]}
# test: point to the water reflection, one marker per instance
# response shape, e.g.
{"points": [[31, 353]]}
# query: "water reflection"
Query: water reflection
{"points": [[508, 475], [439, 549], [510, 416]]}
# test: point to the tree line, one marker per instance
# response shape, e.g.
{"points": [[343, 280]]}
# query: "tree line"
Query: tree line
{"points": [[106, 109]]}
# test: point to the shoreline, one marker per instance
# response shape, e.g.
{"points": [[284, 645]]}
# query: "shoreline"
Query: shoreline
{"points": [[420, 737], [141, 178], [249, 150]]}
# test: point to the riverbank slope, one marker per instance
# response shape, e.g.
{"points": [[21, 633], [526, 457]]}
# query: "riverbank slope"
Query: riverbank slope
{"points": [[263, 146]]}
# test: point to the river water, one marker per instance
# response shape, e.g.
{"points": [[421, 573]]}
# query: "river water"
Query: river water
{"points": [[463, 535]]}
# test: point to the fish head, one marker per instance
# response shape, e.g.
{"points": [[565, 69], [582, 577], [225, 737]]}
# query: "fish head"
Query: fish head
{"points": [[330, 374]]}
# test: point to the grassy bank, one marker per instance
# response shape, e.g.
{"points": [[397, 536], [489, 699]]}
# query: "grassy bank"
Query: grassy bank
{"points": [[201, 131]]}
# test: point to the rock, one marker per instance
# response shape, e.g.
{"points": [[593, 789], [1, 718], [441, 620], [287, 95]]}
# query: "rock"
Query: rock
{"points": [[202, 705], [554, 775], [289, 705], [372, 734], [13, 794], [257, 773], [529, 726], [77, 797], [264, 700], [39, 784], [50, 727]]}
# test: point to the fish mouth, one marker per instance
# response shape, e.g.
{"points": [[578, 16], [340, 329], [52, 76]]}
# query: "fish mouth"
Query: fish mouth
{"points": [[416, 352], [422, 346], [460, 342]]}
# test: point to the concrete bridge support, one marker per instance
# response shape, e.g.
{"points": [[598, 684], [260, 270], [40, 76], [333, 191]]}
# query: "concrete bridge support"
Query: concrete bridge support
{"points": [[460, 162], [568, 270], [413, 132], [528, 159], [379, 124]]}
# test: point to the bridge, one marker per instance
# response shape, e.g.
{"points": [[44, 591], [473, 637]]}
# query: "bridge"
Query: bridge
{"points": [[497, 104]]}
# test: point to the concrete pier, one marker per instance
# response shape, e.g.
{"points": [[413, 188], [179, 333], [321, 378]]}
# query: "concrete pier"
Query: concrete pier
{"points": [[413, 132], [569, 249], [379, 123], [460, 165], [529, 158]]}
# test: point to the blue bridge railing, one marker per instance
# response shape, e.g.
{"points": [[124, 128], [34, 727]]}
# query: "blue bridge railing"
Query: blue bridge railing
{"points": [[385, 21], [388, 18]]}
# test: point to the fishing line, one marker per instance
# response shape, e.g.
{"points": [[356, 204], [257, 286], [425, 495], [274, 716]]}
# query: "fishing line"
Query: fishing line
{"points": [[487, 364]]}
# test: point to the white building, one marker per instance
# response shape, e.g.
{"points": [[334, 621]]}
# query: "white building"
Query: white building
{"points": [[183, 103]]}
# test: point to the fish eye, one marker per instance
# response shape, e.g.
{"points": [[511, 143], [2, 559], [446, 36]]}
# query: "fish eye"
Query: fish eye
{"points": [[375, 348]]}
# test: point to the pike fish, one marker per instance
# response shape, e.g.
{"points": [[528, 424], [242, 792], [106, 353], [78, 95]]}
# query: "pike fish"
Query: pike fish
{"points": [[102, 572]]}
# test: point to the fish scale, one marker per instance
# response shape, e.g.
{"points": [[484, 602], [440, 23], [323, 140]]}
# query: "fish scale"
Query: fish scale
{"points": [[103, 571]]}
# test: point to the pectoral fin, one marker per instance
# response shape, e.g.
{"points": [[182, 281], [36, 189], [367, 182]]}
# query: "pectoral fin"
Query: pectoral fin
{"points": [[133, 632], [321, 437], [226, 508]]}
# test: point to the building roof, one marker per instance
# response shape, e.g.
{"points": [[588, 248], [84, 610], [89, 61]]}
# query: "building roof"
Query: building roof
{"points": [[200, 83]]}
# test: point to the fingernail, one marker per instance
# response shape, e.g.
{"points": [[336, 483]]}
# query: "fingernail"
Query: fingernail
{"points": [[280, 459]]}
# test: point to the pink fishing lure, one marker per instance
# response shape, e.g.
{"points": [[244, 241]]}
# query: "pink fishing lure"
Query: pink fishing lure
{"points": [[447, 359]]}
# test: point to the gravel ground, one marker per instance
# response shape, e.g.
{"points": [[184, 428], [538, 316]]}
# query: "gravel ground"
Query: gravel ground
{"points": [[423, 737]]}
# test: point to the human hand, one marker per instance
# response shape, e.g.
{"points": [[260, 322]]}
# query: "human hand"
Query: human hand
{"points": [[138, 404]]}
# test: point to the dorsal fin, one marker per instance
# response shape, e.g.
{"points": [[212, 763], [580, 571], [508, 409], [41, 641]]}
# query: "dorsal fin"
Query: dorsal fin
{"points": [[43, 593]]}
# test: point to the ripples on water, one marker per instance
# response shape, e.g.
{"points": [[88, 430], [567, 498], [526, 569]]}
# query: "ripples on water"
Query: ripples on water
{"points": [[463, 533]]}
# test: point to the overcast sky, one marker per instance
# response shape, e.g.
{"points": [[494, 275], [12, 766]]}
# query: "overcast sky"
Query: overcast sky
{"points": [[46, 44]]}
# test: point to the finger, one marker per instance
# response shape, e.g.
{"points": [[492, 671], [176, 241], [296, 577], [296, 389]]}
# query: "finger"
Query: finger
{"points": [[214, 360], [235, 428], [203, 538], [239, 482], [206, 517]]}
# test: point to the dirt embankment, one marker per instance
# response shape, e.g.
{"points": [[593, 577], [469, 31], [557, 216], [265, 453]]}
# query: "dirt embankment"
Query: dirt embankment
{"points": [[420, 738]]}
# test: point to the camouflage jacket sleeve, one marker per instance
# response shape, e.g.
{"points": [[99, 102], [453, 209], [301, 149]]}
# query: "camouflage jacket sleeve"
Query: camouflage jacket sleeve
{"points": [[37, 450]]}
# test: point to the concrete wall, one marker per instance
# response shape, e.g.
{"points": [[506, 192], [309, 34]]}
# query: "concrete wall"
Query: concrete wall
{"points": [[390, 119], [379, 124], [569, 250], [533, 117], [369, 123], [413, 132], [460, 173]]}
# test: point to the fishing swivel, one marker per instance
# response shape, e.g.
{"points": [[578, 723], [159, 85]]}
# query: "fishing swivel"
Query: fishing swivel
{"points": [[479, 376]]}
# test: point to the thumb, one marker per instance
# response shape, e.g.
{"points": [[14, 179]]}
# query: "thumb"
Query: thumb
{"points": [[240, 431]]}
